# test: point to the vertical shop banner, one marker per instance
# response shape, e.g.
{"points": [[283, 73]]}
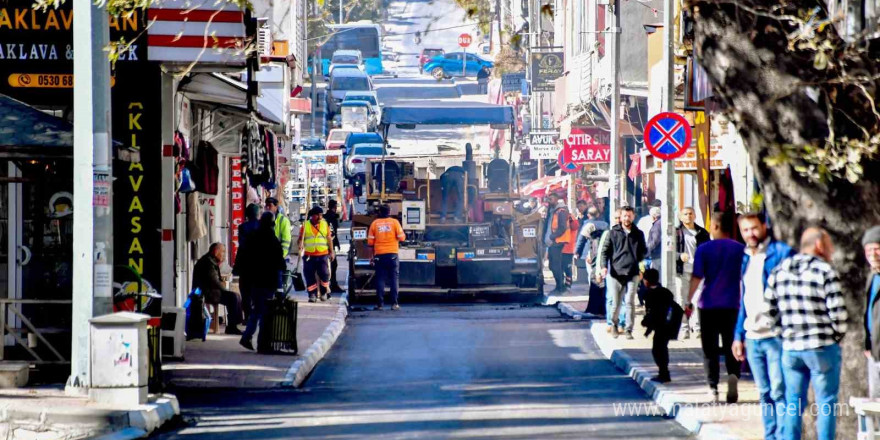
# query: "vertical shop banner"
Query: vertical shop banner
{"points": [[704, 172], [587, 145], [236, 205]]}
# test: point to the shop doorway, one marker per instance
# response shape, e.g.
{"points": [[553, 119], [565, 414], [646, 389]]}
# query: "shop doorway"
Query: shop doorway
{"points": [[36, 256]]}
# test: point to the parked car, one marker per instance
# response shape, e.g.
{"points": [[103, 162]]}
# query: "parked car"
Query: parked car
{"points": [[357, 160], [371, 97], [336, 138], [361, 138], [390, 63], [426, 55], [450, 64], [346, 58], [343, 81], [357, 116], [311, 144]]}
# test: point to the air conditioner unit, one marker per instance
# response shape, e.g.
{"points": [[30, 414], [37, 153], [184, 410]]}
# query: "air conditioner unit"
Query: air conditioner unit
{"points": [[264, 38]]}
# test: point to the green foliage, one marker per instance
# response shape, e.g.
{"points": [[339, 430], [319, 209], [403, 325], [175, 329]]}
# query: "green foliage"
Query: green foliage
{"points": [[839, 160]]}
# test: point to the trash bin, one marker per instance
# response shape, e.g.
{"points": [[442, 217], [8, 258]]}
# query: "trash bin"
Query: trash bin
{"points": [[278, 329]]}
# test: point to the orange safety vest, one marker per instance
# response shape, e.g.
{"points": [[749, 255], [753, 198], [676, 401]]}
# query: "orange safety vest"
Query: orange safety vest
{"points": [[554, 225], [572, 235]]}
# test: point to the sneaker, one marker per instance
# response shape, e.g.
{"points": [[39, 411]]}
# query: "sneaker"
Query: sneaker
{"points": [[395, 307], [246, 343], [713, 394], [379, 308], [629, 335], [326, 297], [621, 329], [732, 393], [614, 332], [661, 378], [313, 298], [608, 329]]}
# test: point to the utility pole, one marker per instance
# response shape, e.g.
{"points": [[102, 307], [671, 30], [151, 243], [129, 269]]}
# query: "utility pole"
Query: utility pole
{"points": [[614, 198], [340, 11], [667, 176], [315, 88], [92, 185]]}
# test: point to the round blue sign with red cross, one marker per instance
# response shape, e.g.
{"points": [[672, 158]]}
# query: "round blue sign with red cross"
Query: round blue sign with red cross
{"points": [[668, 135], [567, 166]]}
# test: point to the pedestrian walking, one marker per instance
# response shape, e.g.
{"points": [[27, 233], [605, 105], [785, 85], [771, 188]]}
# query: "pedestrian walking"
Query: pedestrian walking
{"points": [[624, 249], [316, 242], [262, 267], [206, 276], [655, 238], [658, 301], [871, 243], [602, 263], [332, 217], [282, 225], [384, 236], [755, 337], [568, 251], [245, 231], [718, 264], [689, 236], [806, 303], [483, 80], [555, 237]]}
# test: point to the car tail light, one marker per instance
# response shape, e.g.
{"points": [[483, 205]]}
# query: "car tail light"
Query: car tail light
{"points": [[357, 161]]}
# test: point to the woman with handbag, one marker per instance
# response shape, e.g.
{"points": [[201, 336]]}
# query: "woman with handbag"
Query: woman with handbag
{"points": [[261, 269]]}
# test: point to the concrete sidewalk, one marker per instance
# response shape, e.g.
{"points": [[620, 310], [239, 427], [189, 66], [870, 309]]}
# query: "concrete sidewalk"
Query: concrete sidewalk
{"points": [[47, 413], [220, 362], [686, 398]]}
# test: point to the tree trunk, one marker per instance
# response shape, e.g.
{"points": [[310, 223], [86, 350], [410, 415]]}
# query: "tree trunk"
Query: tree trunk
{"points": [[763, 81]]}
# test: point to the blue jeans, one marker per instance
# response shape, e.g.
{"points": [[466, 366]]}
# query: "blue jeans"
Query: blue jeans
{"points": [[623, 299], [609, 309], [765, 359], [821, 367]]}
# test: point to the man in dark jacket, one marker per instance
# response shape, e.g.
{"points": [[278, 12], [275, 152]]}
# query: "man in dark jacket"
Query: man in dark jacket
{"points": [[332, 217], [871, 242], [689, 236], [654, 239], [206, 276], [623, 249], [262, 270], [245, 231]]}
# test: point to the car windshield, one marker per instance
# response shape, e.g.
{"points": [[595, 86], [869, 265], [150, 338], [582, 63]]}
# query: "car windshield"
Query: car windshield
{"points": [[345, 59], [433, 52], [368, 151], [354, 110], [351, 83], [368, 98], [338, 136]]}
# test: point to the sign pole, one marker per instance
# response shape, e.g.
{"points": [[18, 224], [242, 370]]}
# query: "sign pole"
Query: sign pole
{"points": [[92, 186], [614, 191], [668, 208]]}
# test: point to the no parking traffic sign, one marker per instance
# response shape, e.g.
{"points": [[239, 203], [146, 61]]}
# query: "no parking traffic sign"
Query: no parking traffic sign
{"points": [[668, 135]]}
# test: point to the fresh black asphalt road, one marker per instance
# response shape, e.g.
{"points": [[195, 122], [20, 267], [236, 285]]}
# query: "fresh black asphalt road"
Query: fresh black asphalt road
{"points": [[442, 371]]}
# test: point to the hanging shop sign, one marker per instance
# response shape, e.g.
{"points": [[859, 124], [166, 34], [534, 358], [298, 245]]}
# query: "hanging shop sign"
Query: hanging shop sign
{"points": [[512, 82], [544, 145], [587, 145], [236, 205], [546, 67]]}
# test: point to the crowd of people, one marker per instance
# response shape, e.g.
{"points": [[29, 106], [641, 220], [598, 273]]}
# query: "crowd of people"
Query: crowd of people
{"points": [[778, 308]]}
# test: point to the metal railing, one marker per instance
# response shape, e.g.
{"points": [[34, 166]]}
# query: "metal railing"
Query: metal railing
{"points": [[8, 305]]}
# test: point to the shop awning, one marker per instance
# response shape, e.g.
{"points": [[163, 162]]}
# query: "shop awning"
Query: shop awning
{"points": [[216, 88], [27, 133]]}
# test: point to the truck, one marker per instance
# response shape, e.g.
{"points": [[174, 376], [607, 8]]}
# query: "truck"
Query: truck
{"points": [[493, 250]]}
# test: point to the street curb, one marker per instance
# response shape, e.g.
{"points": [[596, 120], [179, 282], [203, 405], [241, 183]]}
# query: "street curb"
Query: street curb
{"points": [[115, 424], [663, 396], [303, 366]]}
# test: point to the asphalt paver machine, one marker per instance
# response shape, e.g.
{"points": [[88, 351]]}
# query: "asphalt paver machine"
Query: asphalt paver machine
{"points": [[491, 249]]}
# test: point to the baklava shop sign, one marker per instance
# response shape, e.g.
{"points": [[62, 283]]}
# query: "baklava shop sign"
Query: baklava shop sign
{"points": [[587, 145]]}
